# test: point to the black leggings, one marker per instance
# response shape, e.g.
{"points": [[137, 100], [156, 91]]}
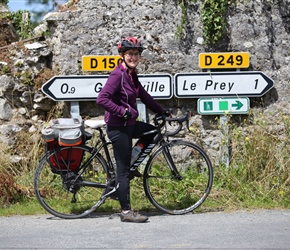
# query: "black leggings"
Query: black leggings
{"points": [[121, 138]]}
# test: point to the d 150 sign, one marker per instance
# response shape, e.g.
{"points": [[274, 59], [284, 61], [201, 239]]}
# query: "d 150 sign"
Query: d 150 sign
{"points": [[224, 60], [100, 63]]}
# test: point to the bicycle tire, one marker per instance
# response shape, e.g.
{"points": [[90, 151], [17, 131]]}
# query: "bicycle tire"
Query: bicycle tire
{"points": [[172, 195], [54, 191]]}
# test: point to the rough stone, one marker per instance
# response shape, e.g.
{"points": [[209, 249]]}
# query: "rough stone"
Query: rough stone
{"points": [[94, 28]]}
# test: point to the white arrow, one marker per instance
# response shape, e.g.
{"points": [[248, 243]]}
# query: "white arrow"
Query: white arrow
{"points": [[222, 84], [61, 88], [78, 88]]}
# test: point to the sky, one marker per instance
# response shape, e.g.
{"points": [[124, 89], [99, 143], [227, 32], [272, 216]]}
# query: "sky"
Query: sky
{"points": [[15, 5]]}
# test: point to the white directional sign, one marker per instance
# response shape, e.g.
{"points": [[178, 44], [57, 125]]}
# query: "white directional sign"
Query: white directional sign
{"points": [[84, 88], [214, 106], [236, 83]]}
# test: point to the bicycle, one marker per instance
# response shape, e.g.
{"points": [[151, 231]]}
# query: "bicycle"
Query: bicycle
{"points": [[177, 177]]}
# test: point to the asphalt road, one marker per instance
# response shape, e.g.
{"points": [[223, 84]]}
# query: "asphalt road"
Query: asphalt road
{"points": [[260, 229]]}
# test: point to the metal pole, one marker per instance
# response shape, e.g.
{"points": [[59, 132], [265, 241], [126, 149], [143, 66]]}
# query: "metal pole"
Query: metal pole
{"points": [[75, 109], [224, 141]]}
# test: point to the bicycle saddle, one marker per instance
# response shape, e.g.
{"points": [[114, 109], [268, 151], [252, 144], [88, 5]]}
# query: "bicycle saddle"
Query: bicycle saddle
{"points": [[95, 123]]}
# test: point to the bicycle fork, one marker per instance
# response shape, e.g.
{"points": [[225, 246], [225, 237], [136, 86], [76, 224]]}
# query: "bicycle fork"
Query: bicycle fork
{"points": [[169, 160]]}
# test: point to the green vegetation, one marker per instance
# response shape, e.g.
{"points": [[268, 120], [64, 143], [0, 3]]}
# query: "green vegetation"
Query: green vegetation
{"points": [[213, 16], [27, 78], [258, 175], [181, 27], [21, 21], [23, 24], [5, 2], [5, 70]]}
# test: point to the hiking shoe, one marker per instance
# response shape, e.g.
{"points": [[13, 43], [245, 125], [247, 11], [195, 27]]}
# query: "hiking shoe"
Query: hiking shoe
{"points": [[134, 173], [133, 217]]}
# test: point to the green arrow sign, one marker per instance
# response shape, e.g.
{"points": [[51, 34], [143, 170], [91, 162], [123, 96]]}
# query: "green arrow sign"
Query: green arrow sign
{"points": [[215, 106], [238, 105]]}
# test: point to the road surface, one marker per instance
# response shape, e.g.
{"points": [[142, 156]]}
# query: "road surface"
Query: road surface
{"points": [[259, 229]]}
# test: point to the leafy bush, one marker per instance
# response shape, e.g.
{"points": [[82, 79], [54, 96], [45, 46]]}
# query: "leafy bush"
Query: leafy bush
{"points": [[259, 171], [214, 20], [23, 24], [16, 176]]}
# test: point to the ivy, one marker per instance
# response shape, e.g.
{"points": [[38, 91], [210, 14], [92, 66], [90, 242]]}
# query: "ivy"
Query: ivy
{"points": [[5, 2], [213, 16], [181, 27], [23, 24]]}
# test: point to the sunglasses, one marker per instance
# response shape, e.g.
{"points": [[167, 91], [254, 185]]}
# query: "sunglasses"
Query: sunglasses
{"points": [[131, 54]]}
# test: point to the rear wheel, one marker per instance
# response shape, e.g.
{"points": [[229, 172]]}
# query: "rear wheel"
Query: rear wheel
{"points": [[174, 195], [70, 194]]}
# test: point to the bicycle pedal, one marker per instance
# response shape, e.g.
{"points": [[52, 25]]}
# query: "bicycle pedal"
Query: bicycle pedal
{"points": [[114, 197]]}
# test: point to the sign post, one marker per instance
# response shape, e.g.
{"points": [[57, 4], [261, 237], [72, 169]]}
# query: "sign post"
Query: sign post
{"points": [[222, 84], [215, 87], [224, 140], [87, 87], [223, 106], [76, 88]]}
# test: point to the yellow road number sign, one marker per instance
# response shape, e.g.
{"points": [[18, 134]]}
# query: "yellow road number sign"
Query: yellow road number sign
{"points": [[224, 60], [100, 63]]}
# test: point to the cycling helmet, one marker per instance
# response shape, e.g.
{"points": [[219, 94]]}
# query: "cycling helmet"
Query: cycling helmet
{"points": [[130, 43]]}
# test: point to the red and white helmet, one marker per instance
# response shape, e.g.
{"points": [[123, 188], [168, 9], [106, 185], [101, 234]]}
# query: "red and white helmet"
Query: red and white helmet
{"points": [[130, 43]]}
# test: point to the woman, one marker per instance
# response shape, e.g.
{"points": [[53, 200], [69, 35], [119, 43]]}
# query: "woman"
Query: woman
{"points": [[118, 98]]}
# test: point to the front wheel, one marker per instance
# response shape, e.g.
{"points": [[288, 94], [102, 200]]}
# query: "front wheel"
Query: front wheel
{"points": [[178, 195], [70, 180]]}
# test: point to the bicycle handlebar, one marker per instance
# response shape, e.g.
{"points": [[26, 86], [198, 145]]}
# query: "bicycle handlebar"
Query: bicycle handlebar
{"points": [[179, 120]]}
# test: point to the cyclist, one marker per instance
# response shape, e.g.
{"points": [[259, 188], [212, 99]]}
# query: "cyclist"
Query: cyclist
{"points": [[118, 98]]}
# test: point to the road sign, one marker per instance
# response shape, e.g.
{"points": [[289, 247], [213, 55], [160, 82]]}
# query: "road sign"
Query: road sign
{"points": [[215, 106], [100, 63], [84, 88], [224, 60], [214, 84]]}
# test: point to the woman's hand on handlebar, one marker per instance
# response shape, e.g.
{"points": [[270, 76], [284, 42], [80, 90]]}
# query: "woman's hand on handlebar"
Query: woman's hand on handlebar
{"points": [[167, 113]]}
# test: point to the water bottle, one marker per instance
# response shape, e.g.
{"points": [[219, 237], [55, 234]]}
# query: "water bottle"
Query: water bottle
{"points": [[136, 152]]}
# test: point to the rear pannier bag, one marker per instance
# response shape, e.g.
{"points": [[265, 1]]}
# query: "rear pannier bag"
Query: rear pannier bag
{"points": [[64, 132], [70, 137]]}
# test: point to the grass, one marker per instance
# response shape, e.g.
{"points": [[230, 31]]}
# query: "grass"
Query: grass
{"points": [[258, 175]]}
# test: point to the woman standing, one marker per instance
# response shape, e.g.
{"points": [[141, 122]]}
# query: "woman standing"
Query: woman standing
{"points": [[118, 98]]}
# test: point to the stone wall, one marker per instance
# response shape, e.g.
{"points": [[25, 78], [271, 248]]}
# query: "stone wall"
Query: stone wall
{"points": [[94, 28]]}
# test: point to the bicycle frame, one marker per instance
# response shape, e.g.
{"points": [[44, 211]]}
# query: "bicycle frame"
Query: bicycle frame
{"points": [[159, 138]]}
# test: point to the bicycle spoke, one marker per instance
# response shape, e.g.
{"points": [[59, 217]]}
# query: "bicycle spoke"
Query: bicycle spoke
{"points": [[65, 194], [169, 193]]}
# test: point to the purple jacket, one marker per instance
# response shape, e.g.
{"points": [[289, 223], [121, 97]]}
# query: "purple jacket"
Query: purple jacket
{"points": [[120, 92]]}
